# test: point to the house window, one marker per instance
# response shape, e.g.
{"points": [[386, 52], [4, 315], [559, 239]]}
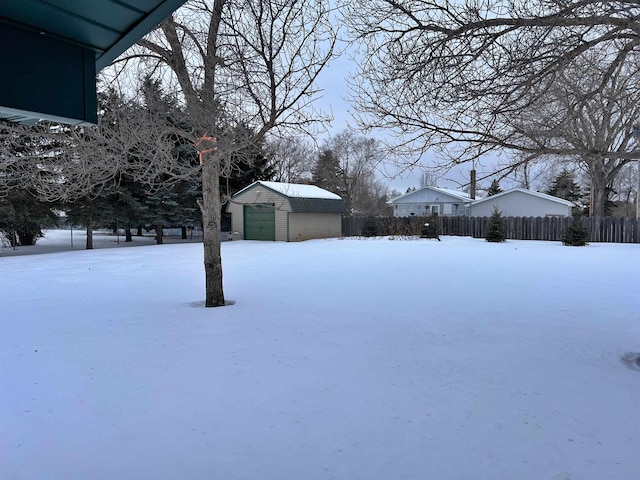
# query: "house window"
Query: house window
{"points": [[432, 210]]}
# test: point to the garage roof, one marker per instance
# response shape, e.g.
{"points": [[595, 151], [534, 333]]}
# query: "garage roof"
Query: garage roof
{"points": [[302, 198], [528, 192], [102, 29]]}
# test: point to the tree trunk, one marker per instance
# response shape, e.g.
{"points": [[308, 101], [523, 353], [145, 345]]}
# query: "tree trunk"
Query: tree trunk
{"points": [[598, 194], [159, 237], [210, 207], [139, 233], [89, 245], [127, 235], [184, 232]]}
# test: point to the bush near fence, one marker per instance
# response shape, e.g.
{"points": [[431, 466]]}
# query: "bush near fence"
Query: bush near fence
{"points": [[601, 229]]}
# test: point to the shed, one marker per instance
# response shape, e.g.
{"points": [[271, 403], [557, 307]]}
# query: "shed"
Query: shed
{"points": [[520, 202], [286, 212], [428, 201]]}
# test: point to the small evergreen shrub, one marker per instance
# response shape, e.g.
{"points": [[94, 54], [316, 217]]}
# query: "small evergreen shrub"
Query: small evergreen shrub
{"points": [[576, 235], [431, 228], [370, 228], [496, 227]]}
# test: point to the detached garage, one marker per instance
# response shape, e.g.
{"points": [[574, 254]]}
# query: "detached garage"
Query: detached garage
{"points": [[522, 203], [286, 212]]}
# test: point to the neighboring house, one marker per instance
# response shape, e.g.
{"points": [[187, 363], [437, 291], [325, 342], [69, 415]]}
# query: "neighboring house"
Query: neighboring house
{"points": [[428, 201], [522, 203], [286, 212]]}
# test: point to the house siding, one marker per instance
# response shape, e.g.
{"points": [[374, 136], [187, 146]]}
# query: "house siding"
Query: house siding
{"points": [[520, 204], [455, 209], [416, 203], [305, 226]]}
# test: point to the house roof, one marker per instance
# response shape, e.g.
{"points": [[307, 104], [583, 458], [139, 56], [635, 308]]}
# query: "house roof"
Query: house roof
{"points": [[528, 192], [462, 196], [302, 198]]}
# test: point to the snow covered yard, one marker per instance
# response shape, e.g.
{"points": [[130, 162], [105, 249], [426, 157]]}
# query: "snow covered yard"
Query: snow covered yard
{"points": [[341, 359]]}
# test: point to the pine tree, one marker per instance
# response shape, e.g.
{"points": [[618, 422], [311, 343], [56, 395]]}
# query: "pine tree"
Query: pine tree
{"points": [[576, 234], [326, 172], [494, 189], [22, 213], [370, 227], [496, 227], [249, 163], [564, 186], [431, 228]]}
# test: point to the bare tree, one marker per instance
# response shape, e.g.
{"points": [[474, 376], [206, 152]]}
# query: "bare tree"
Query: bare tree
{"points": [[238, 62], [354, 158], [625, 190], [575, 123], [292, 159], [468, 78], [372, 196], [441, 71]]}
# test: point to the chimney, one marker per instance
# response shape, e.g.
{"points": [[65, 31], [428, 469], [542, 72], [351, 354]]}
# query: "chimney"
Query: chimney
{"points": [[472, 184]]}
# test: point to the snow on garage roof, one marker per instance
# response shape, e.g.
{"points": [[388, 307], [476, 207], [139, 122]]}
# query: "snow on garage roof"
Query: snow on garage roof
{"points": [[296, 190], [301, 198]]}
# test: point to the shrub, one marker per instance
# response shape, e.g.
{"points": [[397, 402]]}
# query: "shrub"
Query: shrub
{"points": [[431, 228], [576, 235], [370, 228], [496, 227]]}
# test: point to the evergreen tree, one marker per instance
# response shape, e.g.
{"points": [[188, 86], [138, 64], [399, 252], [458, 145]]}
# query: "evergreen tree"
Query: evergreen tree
{"points": [[370, 227], [91, 212], [609, 204], [129, 205], [327, 173], [564, 186], [494, 189], [22, 213], [496, 227], [247, 164], [576, 234], [432, 228]]}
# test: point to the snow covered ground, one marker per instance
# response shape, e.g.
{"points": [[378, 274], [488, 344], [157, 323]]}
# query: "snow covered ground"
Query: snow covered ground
{"points": [[341, 359]]}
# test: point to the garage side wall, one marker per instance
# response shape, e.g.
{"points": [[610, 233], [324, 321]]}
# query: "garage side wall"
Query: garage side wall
{"points": [[305, 226], [518, 204], [260, 195]]}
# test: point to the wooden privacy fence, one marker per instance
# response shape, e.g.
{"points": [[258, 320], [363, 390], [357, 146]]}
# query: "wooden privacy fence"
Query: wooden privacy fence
{"points": [[601, 229]]}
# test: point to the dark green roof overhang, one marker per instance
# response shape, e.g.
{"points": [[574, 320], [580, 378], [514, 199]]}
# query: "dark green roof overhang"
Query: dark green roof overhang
{"points": [[316, 205], [54, 48]]}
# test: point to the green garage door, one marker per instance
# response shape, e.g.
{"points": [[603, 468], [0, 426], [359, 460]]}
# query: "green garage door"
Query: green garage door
{"points": [[259, 222]]}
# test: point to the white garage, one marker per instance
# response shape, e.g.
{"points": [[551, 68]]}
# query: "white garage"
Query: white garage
{"points": [[522, 203]]}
